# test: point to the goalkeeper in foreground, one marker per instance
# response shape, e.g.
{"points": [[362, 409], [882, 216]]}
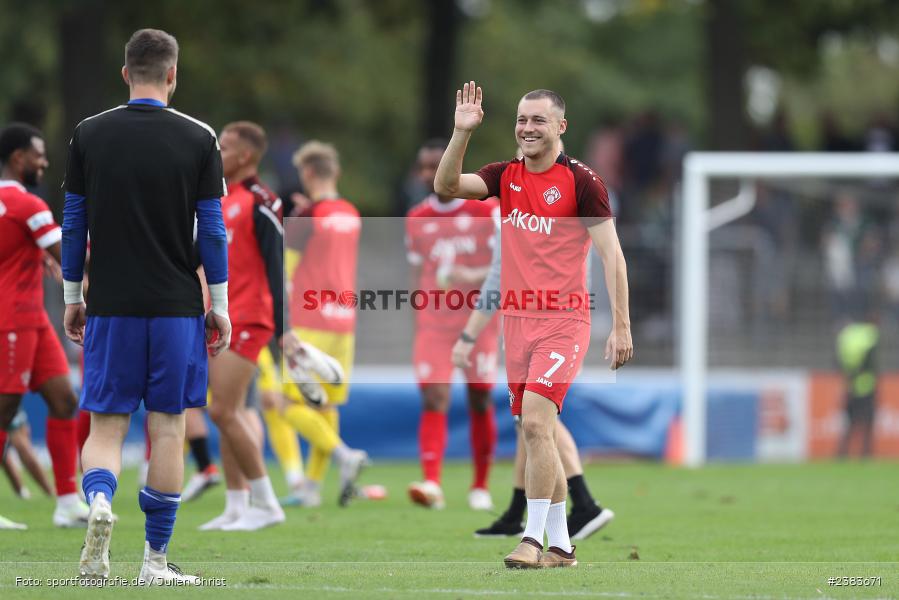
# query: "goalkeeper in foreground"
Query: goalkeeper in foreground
{"points": [[136, 178]]}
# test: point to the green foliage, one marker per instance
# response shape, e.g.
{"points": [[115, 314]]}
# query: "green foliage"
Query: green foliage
{"points": [[351, 71]]}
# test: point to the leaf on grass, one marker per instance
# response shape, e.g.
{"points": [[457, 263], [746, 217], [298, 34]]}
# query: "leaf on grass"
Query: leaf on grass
{"points": [[633, 555]]}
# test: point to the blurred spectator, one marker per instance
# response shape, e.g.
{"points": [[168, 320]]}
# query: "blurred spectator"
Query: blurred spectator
{"points": [[880, 135], [851, 254], [776, 217], [777, 137], [832, 137], [605, 154], [891, 284], [643, 151], [283, 142]]}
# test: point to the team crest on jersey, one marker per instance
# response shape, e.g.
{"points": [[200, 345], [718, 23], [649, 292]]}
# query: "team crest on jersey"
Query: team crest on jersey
{"points": [[233, 211], [463, 222], [552, 195]]}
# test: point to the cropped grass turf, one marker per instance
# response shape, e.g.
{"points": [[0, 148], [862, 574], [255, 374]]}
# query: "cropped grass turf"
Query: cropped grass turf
{"points": [[719, 532]]}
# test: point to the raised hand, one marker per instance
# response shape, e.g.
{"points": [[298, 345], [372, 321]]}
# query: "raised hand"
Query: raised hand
{"points": [[469, 113]]}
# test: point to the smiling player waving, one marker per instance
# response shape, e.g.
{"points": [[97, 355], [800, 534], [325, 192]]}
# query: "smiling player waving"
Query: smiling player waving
{"points": [[552, 207]]}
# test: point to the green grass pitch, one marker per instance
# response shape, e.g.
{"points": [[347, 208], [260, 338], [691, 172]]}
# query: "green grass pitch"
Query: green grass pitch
{"points": [[776, 532]]}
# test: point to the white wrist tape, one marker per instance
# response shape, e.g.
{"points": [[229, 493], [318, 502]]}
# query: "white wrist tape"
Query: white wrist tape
{"points": [[218, 293], [72, 292]]}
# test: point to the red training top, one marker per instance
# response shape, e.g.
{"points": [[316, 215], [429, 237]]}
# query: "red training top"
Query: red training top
{"points": [[323, 286], [544, 235], [252, 214], [439, 236], [26, 228]]}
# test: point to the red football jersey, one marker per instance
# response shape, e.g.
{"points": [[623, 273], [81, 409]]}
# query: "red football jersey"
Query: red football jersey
{"points": [[439, 236], [252, 215], [544, 235], [323, 286], [26, 228]]}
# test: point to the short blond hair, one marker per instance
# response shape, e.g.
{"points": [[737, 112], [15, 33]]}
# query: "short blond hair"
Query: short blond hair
{"points": [[321, 158]]}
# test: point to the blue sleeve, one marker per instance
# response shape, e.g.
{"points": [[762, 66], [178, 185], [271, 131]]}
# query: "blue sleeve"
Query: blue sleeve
{"points": [[212, 241], [74, 237]]}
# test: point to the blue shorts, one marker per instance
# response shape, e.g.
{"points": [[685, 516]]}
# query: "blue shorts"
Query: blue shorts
{"points": [[161, 360]]}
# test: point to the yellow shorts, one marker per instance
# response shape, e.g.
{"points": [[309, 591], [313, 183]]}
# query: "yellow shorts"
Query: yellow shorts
{"points": [[339, 345]]}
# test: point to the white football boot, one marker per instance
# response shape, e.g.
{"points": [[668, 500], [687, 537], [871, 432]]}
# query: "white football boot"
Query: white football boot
{"points": [[226, 518], [351, 464], [156, 571], [95, 552], [324, 366], [70, 511], [257, 517], [306, 383], [200, 482], [479, 499], [8, 524]]}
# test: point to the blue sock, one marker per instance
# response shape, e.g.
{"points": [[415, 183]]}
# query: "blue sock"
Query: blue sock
{"points": [[160, 509], [99, 480]]}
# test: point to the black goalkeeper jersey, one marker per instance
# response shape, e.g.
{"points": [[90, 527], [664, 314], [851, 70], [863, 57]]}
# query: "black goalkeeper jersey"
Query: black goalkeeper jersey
{"points": [[142, 168]]}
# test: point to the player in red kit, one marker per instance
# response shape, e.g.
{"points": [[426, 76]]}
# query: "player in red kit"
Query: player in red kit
{"points": [[449, 244], [552, 208], [31, 355], [252, 215]]}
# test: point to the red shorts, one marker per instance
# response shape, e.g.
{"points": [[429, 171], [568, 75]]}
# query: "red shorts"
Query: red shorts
{"points": [[249, 340], [433, 352], [543, 356], [28, 358]]}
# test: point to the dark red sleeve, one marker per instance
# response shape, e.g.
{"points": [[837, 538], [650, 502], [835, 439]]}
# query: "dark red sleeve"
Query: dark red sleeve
{"points": [[264, 196], [491, 174], [269, 236], [592, 197]]}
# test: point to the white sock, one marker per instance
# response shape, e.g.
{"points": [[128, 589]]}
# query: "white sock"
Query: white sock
{"points": [[537, 511], [236, 501], [262, 494], [67, 500], [294, 478], [557, 527]]}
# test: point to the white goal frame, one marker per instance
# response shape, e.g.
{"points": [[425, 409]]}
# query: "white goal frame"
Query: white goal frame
{"points": [[695, 223]]}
